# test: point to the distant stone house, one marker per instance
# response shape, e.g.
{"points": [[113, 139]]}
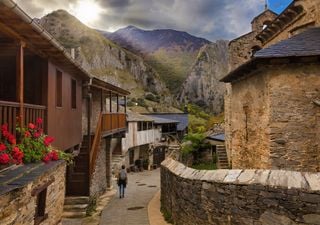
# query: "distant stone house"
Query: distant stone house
{"points": [[275, 117], [181, 119], [139, 139]]}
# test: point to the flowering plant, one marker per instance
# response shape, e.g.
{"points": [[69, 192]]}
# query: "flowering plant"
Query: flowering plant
{"points": [[33, 146]]}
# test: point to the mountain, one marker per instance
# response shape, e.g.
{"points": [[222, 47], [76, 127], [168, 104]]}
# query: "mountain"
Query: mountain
{"points": [[169, 52], [107, 60], [202, 86]]}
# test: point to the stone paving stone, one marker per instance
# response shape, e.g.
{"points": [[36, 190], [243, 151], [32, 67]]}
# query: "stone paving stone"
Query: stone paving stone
{"points": [[117, 213]]}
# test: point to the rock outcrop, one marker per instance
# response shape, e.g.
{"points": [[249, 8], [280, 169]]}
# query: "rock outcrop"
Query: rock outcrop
{"points": [[202, 86], [103, 58]]}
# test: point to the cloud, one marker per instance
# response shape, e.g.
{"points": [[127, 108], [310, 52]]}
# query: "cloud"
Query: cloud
{"points": [[211, 19]]}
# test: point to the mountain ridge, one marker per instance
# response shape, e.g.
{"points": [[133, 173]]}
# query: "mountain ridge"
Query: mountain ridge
{"points": [[169, 52]]}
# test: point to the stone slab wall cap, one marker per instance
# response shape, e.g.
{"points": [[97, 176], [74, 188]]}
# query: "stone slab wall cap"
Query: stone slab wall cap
{"points": [[232, 176], [219, 175], [207, 176], [179, 168], [313, 180], [296, 180], [187, 173], [199, 174], [278, 178], [261, 177], [246, 177]]}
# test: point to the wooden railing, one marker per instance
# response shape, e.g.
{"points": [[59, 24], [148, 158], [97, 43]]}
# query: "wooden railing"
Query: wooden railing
{"points": [[112, 122], [95, 146], [9, 111]]}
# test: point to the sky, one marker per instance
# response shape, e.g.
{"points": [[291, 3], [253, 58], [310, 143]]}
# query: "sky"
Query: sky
{"points": [[210, 19]]}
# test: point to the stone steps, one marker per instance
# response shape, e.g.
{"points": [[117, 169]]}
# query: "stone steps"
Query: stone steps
{"points": [[222, 158], [75, 207]]}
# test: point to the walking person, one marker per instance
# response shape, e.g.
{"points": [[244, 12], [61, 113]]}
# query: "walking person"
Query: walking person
{"points": [[122, 181]]}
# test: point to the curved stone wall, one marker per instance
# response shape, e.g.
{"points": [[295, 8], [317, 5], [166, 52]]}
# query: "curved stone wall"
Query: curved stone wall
{"points": [[254, 197]]}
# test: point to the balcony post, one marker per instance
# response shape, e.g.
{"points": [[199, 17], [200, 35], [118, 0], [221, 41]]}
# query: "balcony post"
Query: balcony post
{"points": [[20, 81], [125, 104]]}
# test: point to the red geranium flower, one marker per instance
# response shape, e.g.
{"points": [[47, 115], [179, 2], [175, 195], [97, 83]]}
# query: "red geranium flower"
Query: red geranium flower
{"points": [[2, 147], [11, 139], [31, 126], [46, 158], [4, 158], [27, 134], [36, 134], [39, 121], [48, 140], [54, 155], [17, 154]]}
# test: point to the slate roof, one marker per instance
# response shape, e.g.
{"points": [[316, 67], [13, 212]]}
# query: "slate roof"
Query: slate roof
{"points": [[134, 117], [158, 120], [217, 137], [22, 175], [182, 118], [305, 44]]}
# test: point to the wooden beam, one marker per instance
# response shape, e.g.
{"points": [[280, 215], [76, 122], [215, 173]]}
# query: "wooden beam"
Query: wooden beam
{"points": [[20, 82], [110, 106], [101, 100], [118, 103]]}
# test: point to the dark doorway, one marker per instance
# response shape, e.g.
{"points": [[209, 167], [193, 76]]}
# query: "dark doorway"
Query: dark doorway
{"points": [[159, 155]]}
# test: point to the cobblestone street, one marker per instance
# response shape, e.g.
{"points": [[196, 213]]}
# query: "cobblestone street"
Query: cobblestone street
{"points": [[133, 209]]}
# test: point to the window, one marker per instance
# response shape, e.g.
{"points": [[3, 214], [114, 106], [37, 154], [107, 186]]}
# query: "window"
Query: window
{"points": [[145, 125], [41, 207], [131, 156], [73, 93], [139, 126], [58, 88]]}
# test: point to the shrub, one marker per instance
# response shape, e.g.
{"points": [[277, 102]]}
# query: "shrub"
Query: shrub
{"points": [[141, 102]]}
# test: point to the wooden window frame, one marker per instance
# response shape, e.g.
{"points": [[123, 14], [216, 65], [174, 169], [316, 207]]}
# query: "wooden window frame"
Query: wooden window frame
{"points": [[73, 93], [59, 89], [41, 195]]}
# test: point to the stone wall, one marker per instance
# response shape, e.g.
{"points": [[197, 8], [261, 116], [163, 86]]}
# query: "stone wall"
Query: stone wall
{"points": [[274, 123], [294, 118], [255, 197], [17, 188], [249, 123], [262, 20], [98, 183]]}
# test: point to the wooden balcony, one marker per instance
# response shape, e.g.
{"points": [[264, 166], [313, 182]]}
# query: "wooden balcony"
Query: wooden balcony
{"points": [[113, 123], [9, 112]]}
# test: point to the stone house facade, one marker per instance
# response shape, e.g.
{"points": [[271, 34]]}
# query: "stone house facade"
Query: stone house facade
{"points": [[275, 122], [298, 17]]}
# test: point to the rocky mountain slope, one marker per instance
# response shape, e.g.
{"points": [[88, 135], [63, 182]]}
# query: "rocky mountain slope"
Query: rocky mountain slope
{"points": [[202, 86], [106, 59], [169, 52]]}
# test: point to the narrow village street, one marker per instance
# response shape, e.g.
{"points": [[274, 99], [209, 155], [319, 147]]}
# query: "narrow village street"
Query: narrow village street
{"points": [[133, 208]]}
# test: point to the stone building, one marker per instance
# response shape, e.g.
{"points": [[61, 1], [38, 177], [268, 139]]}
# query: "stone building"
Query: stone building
{"points": [[296, 18], [275, 115], [240, 50]]}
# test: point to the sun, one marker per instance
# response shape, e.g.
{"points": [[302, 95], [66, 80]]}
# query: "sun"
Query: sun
{"points": [[87, 11]]}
